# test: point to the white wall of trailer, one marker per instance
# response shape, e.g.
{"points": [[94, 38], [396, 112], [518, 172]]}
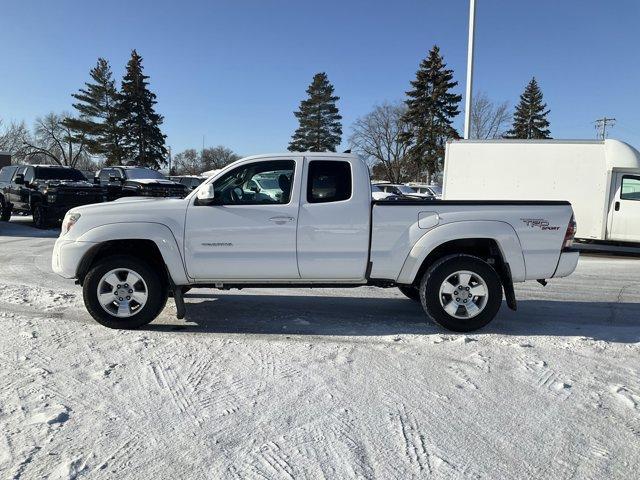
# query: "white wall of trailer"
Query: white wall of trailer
{"points": [[583, 172]]}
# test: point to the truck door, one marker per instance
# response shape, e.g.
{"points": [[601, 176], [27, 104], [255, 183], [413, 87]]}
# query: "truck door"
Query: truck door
{"points": [[250, 231], [333, 225], [19, 193], [625, 224]]}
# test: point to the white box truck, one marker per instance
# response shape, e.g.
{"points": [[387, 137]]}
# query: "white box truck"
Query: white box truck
{"points": [[601, 179]]}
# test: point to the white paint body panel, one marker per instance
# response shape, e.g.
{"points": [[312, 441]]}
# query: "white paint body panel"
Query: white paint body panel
{"points": [[322, 242], [580, 171], [333, 238], [243, 241], [399, 245]]}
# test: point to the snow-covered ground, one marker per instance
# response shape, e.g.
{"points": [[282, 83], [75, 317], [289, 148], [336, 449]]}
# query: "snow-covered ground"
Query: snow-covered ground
{"points": [[344, 383]]}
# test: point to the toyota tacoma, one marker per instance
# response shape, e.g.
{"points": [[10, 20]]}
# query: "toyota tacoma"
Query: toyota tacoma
{"points": [[318, 228]]}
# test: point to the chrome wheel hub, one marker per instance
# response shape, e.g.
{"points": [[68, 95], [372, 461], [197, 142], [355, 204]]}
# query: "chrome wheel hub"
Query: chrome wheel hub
{"points": [[122, 292], [464, 294]]}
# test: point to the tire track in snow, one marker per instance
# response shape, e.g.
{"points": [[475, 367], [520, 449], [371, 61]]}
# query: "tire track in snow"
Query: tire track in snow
{"points": [[422, 457]]}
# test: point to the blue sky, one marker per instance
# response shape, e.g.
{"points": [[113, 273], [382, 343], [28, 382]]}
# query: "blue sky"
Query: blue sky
{"points": [[234, 71]]}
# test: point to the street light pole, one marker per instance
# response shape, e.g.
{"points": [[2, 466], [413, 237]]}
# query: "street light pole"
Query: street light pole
{"points": [[467, 100]]}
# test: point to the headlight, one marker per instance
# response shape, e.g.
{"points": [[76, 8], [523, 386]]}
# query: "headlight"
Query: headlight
{"points": [[51, 197], [69, 221]]}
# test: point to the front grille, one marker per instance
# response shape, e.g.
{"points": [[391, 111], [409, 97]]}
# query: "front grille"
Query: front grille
{"points": [[79, 197], [164, 192]]}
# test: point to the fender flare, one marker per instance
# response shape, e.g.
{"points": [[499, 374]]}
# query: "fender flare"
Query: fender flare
{"points": [[159, 233], [501, 232]]}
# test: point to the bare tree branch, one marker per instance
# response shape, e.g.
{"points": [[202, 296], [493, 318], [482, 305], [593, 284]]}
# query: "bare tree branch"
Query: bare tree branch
{"points": [[377, 137], [488, 119]]}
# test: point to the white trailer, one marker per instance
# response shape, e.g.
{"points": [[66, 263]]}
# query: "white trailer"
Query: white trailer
{"points": [[601, 179]]}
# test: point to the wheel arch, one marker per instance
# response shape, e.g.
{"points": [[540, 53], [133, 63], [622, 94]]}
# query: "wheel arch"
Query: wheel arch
{"points": [[496, 242], [150, 241]]}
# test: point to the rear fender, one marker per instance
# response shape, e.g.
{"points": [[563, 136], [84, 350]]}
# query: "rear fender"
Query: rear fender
{"points": [[501, 232], [160, 234]]}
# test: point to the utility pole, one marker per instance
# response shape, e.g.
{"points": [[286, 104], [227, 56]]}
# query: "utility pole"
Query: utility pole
{"points": [[601, 126], [467, 100]]}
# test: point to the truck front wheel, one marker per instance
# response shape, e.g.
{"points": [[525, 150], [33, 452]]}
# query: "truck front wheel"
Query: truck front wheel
{"points": [[5, 210], [123, 292], [461, 292], [39, 216]]}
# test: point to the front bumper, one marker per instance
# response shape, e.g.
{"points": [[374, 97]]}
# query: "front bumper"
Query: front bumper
{"points": [[67, 255], [567, 263]]}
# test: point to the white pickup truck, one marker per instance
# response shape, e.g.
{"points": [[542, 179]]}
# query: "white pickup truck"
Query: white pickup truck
{"points": [[308, 220]]}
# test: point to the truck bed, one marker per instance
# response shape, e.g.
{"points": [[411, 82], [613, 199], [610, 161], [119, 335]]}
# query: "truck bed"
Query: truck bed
{"points": [[530, 233]]}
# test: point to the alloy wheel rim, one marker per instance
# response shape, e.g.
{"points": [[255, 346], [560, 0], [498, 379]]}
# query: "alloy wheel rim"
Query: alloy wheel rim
{"points": [[122, 292], [463, 294]]}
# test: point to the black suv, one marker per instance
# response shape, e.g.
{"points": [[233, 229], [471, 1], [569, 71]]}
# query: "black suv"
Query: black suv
{"points": [[45, 191], [137, 181]]}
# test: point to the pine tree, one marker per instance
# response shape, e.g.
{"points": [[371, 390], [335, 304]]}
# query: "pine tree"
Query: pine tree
{"points": [[98, 115], [144, 142], [530, 116], [431, 108], [319, 127]]}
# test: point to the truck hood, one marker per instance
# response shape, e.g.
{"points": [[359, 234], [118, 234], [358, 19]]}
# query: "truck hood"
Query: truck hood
{"points": [[131, 207], [70, 184], [165, 211], [153, 181]]}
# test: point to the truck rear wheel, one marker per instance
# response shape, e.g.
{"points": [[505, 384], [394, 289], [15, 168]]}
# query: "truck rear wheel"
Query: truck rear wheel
{"points": [[461, 292], [411, 292], [123, 292]]}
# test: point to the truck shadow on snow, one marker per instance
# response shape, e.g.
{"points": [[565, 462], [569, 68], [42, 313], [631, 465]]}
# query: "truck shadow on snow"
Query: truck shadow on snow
{"points": [[365, 316]]}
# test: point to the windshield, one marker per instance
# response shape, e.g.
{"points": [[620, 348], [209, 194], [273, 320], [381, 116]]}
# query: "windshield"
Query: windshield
{"points": [[405, 190], [137, 173], [59, 174], [267, 183]]}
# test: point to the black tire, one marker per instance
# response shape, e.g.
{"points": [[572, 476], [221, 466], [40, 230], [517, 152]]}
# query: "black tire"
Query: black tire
{"points": [[438, 273], [39, 216], [156, 292], [5, 210], [411, 292]]}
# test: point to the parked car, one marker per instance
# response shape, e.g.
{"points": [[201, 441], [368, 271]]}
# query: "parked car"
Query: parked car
{"points": [[189, 181], [323, 230], [45, 191], [401, 190], [422, 189], [129, 181], [378, 194], [600, 178]]}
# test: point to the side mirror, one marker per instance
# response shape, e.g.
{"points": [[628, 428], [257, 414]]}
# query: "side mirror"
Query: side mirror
{"points": [[19, 180], [206, 195]]}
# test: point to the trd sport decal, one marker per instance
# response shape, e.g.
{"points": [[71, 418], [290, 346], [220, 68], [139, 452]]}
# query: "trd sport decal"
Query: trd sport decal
{"points": [[540, 223]]}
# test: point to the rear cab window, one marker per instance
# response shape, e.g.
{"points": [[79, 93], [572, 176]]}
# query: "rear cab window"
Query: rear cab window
{"points": [[329, 181]]}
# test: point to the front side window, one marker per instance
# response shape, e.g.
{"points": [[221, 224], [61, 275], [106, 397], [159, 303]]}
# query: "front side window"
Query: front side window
{"points": [[257, 183], [328, 181], [29, 175], [630, 188]]}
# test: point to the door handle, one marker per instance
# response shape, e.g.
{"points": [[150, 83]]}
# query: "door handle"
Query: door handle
{"points": [[282, 219], [617, 206]]}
